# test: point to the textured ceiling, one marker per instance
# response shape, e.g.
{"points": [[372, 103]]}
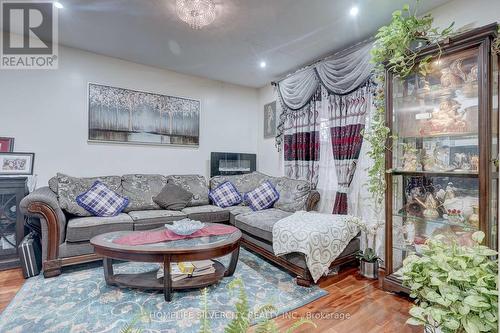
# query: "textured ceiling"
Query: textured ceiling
{"points": [[284, 33]]}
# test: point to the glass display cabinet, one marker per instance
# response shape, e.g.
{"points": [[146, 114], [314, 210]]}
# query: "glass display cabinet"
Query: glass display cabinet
{"points": [[12, 191], [442, 167]]}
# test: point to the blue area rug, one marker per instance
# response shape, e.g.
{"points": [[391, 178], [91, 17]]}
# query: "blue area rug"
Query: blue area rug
{"points": [[79, 300]]}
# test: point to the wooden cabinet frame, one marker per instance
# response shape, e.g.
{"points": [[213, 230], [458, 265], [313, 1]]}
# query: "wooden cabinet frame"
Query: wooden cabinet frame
{"points": [[480, 39]]}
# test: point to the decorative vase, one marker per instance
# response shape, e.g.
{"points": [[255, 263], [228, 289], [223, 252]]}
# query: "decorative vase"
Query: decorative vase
{"points": [[418, 43], [474, 217], [369, 269]]}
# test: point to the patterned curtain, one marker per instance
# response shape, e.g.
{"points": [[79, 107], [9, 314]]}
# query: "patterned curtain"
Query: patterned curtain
{"points": [[347, 117], [301, 141]]}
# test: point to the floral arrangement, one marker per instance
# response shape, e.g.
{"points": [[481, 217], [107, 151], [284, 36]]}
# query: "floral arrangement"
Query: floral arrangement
{"points": [[370, 234]]}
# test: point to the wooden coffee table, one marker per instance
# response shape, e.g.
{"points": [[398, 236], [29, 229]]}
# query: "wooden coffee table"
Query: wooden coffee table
{"points": [[201, 248]]}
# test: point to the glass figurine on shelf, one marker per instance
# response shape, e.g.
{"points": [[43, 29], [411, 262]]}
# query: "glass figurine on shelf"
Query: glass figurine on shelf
{"points": [[410, 158]]}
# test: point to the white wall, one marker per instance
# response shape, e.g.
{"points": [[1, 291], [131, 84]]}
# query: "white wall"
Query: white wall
{"points": [[46, 112], [465, 12], [269, 160]]}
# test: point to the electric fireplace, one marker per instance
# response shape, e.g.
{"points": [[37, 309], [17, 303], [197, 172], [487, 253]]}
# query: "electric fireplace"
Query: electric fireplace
{"points": [[232, 163]]}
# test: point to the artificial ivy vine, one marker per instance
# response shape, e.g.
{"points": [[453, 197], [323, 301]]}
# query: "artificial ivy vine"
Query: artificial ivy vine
{"points": [[396, 48], [496, 43]]}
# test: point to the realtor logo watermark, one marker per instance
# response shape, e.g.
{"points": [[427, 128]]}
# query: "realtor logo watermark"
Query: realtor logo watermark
{"points": [[30, 35]]}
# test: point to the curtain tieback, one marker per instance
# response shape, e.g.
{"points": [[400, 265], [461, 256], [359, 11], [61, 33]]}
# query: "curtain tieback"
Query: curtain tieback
{"points": [[343, 188]]}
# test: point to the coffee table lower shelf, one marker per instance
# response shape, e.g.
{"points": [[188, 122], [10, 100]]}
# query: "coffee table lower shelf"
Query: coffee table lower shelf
{"points": [[148, 280]]}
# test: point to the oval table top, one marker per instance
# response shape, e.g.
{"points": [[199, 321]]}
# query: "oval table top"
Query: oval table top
{"points": [[182, 246]]}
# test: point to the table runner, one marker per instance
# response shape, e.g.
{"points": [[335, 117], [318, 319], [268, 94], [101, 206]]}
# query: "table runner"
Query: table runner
{"points": [[157, 236]]}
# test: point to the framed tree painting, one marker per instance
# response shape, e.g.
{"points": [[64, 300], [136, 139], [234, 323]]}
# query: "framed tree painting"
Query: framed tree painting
{"points": [[270, 120], [6, 144], [16, 163], [121, 115]]}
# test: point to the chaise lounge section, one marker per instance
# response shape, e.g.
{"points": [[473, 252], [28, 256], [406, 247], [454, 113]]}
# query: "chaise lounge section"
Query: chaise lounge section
{"points": [[66, 233]]}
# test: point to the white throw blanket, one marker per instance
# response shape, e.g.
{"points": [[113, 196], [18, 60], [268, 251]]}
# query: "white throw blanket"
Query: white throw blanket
{"points": [[320, 237]]}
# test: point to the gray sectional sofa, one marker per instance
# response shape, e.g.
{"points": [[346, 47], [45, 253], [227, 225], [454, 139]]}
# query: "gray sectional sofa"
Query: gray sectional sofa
{"points": [[67, 228]]}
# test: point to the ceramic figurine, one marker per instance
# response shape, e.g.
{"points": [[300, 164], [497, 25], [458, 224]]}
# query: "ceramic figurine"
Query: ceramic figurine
{"points": [[410, 160], [474, 217], [448, 79], [461, 161], [446, 118], [409, 232], [450, 192], [472, 76], [430, 207], [474, 163]]}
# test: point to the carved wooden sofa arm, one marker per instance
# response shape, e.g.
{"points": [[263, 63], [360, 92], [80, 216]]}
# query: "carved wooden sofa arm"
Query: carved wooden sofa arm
{"points": [[42, 204], [312, 200]]}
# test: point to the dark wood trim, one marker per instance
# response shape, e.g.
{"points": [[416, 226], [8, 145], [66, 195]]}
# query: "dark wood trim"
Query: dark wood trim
{"points": [[303, 276], [485, 98], [52, 264], [80, 259], [388, 177], [392, 284]]}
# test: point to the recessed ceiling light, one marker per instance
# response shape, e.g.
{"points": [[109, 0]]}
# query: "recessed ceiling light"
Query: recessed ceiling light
{"points": [[354, 11], [58, 5], [262, 64]]}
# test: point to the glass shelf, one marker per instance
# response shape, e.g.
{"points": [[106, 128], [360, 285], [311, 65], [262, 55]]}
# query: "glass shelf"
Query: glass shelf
{"points": [[454, 173], [465, 226]]}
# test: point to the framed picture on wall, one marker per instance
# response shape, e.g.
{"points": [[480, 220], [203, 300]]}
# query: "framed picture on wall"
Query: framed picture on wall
{"points": [[16, 163], [270, 120], [119, 115], [6, 144]]}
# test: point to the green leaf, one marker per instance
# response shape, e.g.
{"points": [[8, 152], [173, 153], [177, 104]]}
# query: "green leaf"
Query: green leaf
{"points": [[477, 301], [478, 237], [415, 322]]}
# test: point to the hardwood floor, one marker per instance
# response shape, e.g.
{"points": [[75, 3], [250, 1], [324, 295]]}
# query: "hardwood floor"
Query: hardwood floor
{"points": [[354, 304], [10, 282]]}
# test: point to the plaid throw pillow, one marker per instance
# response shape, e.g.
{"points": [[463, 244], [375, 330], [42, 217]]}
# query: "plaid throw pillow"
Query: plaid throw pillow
{"points": [[225, 195], [99, 200], [262, 197]]}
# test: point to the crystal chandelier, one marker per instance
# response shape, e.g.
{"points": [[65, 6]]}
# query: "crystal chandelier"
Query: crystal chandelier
{"points": [[196, 13]]}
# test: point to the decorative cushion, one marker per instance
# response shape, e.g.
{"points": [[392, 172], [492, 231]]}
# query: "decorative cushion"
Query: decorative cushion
{"points": [[101, 201], [293, 193], [140, 189], [173, 197], [225, 195], [195, 184], [243, 183], [68, 188], [262, 197]]}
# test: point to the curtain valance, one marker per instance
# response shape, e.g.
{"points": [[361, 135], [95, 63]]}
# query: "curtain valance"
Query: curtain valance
{"points": [[340, 74]]}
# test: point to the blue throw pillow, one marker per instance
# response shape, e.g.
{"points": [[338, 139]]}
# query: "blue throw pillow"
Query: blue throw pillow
{"points": [[99, 200], [263, 197], [225, 195]]}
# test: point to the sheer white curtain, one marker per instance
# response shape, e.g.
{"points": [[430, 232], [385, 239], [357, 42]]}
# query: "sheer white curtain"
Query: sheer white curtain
{"points": [[327, 180], [361, 202]]}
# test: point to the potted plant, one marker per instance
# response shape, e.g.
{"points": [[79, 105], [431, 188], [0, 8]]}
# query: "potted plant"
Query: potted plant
{"points": [[455, 287], [368, 259], [397, 44], [495, 47], [396, 47]]}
